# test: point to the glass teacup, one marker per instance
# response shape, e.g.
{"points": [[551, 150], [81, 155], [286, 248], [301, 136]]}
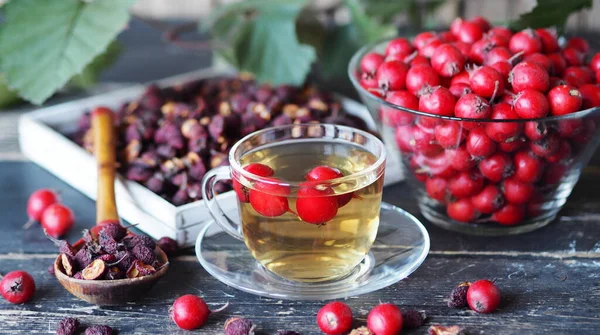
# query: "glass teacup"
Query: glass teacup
{"points": [[309, 198]]}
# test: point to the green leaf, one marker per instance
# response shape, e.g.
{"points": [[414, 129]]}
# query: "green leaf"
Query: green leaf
{"points": [[43, 43], [89, 76], [549, 13], [340, 44], [386, 10], [261, 39], [368, 29], [7, 97]]}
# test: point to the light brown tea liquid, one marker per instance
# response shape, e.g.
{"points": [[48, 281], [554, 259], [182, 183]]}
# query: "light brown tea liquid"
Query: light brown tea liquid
{"points": [[297, 250]]}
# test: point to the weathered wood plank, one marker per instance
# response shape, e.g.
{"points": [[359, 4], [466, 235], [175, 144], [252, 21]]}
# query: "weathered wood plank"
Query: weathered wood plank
{"points": [[543, 295]]}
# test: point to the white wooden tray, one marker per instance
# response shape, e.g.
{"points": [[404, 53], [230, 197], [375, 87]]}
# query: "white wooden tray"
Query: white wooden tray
{"points": [[41, 141]]}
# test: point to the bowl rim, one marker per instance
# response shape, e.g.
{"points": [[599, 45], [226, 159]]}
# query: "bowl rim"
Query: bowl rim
{"points": [[355, 62]]}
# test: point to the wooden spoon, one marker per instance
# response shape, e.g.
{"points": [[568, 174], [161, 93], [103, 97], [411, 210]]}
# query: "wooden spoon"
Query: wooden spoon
{"points": [[107, 292]]}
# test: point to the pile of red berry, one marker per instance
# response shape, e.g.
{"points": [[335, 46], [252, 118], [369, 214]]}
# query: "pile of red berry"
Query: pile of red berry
{"points": [[316, 202], [475, 71]]}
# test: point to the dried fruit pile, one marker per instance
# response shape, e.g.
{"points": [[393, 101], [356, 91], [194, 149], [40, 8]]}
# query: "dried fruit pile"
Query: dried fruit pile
{"points": [[111, 254], [168, 138], [498, 170]]}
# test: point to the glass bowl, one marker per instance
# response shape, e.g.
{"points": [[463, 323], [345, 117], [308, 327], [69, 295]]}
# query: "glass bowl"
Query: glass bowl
{"points": [[524, 172]]}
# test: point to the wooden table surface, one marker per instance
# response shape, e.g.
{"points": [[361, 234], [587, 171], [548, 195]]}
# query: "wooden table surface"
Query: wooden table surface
{"points": [[550, 278]]}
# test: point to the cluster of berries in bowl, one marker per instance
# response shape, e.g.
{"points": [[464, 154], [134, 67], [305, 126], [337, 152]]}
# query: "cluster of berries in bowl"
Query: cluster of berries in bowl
{"points": [[493, 125], [315, 200]]}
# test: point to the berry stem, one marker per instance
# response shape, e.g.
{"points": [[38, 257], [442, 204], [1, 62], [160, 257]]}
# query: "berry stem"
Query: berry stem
{"points": [[496, 85], [51, 238], [220, 309], [28, 224], [410, 57], [514, 57]]}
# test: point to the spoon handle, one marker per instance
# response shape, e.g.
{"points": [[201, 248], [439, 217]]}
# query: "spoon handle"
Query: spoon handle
{"points": [[104, 151]]}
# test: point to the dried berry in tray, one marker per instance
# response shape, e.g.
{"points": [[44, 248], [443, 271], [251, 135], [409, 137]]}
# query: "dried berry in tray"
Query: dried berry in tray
{"points": [[168, 138]]}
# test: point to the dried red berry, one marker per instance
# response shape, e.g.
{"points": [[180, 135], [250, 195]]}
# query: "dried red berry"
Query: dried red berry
{"points": [[458, 296], [168, 245], [413, 319], [67, 326], [446, 330], [99, 330], [95, 270], [239, 326]]}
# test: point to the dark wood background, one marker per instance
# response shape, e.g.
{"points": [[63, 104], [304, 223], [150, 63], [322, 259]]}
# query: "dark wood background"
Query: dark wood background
{"points": [[550, 278]]}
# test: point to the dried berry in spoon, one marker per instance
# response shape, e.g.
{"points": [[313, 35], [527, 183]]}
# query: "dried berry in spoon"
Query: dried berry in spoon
{"points": [[68, 264], [63, 246], [95, 270]]}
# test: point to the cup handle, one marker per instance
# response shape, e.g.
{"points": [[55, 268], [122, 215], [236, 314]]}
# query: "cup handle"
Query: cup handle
{"points": [[209, 181]]}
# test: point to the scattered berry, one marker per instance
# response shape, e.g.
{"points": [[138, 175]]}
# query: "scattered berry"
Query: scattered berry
{"points": [[57, 220], [39, 201], [191, 312], [335, 318], [385, 319], [99, 330], [238, 326], [17, 287], [413, 319], [168, 245], [483, 296], [458, 296], [67, 326]]}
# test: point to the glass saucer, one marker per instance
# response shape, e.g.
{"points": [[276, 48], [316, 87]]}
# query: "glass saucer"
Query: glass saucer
{"points": [[401, 245]]}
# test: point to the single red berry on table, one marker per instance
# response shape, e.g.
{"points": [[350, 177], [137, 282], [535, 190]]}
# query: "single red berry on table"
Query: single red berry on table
{"points": [[400, 47], [489, 200], [531, 104], [335, 318], [189, 312], [479, 144], [535, 131], [449, 134], [564, 99], [447, 60], [590, 95], [559, 63], [496, 167], [529, 75], [465, 184], [419, 77], [57, 220], [258, 169], [385, 319], [503, 131], [38, 202], [487, 82], [438, 100], [316, 204], [436, 188], [460, 159], [391, 75], [394, 117], [17, 287], [526, 41], [517, 192], [549, 39], [462, 210], [528, 167], [270, 198], [509, 214], [370, 62], [483, 296]]}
